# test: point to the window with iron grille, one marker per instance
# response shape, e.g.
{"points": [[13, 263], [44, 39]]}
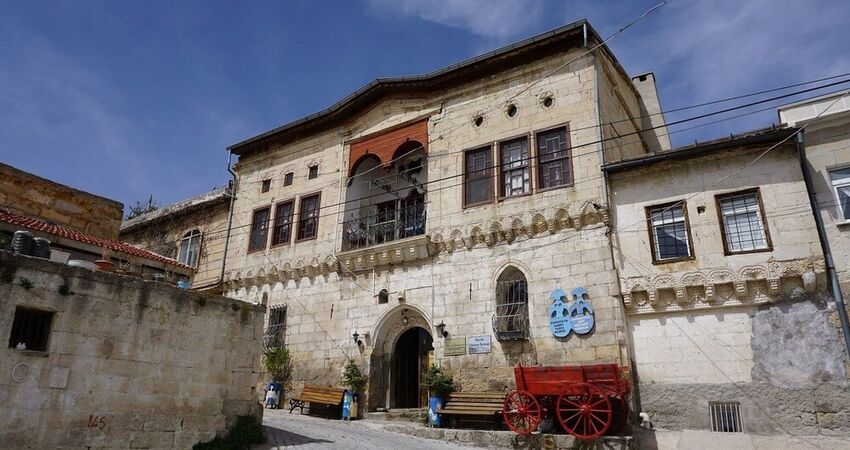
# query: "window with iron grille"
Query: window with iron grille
{"points": [[190, 248], [308, 217], [668, 232], [267, 184], [478, 177], [287, 179], [511, 319], [743, 222], [282, 231], [30, 329], [726, 417], [516, 174], [275, 335], [259, 229], [553, 164], [313, 172], [840, 179]]}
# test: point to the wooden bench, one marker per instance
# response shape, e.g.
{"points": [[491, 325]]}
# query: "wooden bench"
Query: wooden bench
{"points": [[468, 406], [317, 395]]}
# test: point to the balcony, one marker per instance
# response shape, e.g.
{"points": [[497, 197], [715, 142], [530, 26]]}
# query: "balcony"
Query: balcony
{"points": [[399, 219]]}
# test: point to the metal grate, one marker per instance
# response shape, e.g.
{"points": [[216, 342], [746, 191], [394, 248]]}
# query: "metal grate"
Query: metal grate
{"points": [[511, 319], [726, 417], [30, 329], [742, 223], [275, 334]]}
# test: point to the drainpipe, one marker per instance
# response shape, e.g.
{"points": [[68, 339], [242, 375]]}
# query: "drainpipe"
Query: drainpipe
{"points": [[835, 287], [229, 215]]}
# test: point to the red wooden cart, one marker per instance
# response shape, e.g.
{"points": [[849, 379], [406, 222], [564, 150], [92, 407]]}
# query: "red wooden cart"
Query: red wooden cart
{"points": [[589, 401]]}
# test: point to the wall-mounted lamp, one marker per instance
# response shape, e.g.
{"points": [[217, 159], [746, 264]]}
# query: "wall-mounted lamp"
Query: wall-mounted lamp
{"points": [[404, 318], [441, 328], [357, 340]]}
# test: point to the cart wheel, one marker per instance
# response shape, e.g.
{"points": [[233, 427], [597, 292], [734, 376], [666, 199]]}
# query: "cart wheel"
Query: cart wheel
{"points": [[620, 411], [521, 412], [585, 411]]}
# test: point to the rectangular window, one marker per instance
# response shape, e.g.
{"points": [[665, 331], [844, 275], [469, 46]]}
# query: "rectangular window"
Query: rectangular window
{"points": [[30, 329], [313, 172], [742, 222], [267, 184], [669, 232], [840, 179], [287, 179], [275, 335], [308, 217], [553, 164], [478, 177], [516, 173], [282, 231], [725, 417], [259, 230]]}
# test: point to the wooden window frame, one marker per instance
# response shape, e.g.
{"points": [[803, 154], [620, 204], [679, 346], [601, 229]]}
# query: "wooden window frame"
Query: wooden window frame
{"points": [[768, 241], [291, 222], [529, 165], [251, 230], [300, 214], [288, 178], [200, 246], [310, 172], [648, 211], [566, 127], [492, 177], [265, 185]]}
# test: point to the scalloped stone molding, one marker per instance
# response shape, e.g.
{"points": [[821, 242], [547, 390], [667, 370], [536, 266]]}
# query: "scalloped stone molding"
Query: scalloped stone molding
{"points": [[234, 279], [575, 215], [721, 287]]}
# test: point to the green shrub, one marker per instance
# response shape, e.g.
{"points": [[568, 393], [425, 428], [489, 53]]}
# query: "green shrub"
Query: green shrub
{"points": [[278, 363], [352, 378], [244, 433], [438, 382]]}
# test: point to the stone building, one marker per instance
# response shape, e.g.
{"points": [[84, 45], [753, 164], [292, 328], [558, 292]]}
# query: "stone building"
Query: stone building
{"points": [[98, 360], [79, 225], [30, 195], [827, 146], [192, 232], [430, 218], [722, 277]]}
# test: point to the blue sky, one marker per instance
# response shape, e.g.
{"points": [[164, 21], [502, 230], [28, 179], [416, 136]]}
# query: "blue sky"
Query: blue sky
{"points": [[130, 99]]}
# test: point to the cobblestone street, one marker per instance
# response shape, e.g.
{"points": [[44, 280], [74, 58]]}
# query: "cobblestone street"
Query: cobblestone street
{"points": [[302, 432]]}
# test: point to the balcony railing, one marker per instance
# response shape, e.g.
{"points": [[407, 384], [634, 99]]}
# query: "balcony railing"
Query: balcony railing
{"points": [[510, 323], [386, 226]]}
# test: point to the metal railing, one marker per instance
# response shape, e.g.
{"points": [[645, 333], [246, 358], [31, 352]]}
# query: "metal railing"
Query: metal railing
{"points": [[274, 336], [394, 224], [510, 323]]}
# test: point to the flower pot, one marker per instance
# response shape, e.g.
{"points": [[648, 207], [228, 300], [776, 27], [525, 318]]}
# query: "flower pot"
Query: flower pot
{"points": [[104, 265], [435, 404]]}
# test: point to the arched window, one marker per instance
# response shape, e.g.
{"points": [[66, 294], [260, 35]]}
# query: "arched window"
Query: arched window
{"points": [[510, 323], [190, 248]]}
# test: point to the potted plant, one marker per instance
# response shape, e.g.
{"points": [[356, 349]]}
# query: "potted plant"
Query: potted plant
{"points": [[278, 363], [104, 263], [354, 380], [439, 385]]}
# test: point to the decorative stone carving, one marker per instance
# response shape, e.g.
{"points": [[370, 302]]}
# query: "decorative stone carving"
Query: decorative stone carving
{"points": [[717, 287]]}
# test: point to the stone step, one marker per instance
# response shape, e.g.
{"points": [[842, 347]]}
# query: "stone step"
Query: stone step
{"points": [[399, 415]]}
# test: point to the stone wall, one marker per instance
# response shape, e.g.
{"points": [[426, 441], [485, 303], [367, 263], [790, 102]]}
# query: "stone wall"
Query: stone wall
{"points": [[129, 363], [30, 195]]}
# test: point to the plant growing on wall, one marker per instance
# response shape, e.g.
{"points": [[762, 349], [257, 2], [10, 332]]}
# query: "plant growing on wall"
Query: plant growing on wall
{"points": [[352, 377], [438, 382], [278, 363]]}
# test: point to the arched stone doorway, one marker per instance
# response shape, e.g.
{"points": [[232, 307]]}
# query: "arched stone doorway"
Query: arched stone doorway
{"points": [[401, 353]]}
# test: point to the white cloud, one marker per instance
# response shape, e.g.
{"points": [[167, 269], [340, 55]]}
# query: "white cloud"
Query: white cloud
{"points": [[497, 19]]}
